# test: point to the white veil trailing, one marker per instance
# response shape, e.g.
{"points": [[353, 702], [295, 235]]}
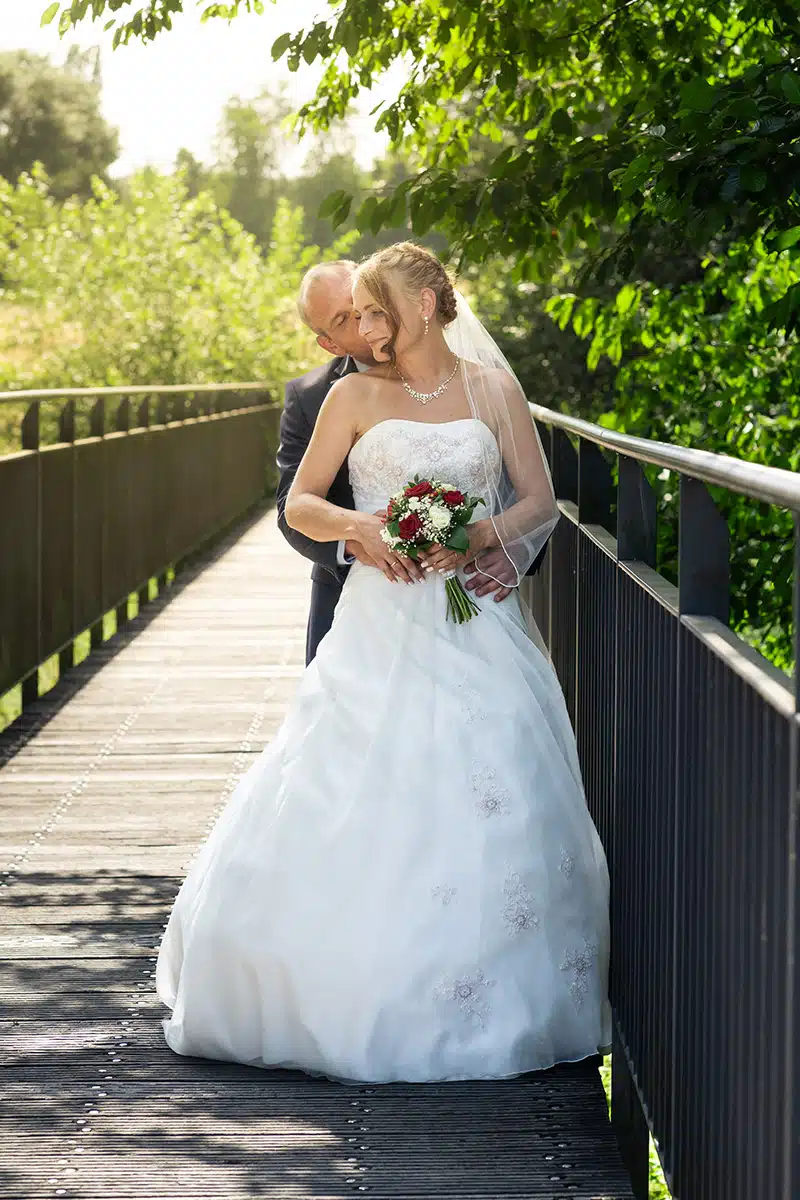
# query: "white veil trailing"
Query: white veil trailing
{"points": [[523, 507]]}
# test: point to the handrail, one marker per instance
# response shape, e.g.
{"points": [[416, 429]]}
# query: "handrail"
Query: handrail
{"points": [[773, 485], [142, 390], [770, 484]]}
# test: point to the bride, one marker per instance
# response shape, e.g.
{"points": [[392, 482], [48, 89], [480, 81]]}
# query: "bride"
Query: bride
{"points": [[407, 884]]}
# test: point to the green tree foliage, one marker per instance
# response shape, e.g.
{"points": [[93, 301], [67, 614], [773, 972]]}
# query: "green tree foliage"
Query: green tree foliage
{"points": [[549, 359], [252, 141], [51, 115], [622, 117], [701, 366], [157, 288]]}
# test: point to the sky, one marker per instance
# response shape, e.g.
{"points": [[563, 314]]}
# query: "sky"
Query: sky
{"points": [[170, 92]]}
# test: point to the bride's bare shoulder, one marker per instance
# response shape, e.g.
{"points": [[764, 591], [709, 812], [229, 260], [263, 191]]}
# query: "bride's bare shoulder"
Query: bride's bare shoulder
{"points": [[349, 397], [493, 386]]}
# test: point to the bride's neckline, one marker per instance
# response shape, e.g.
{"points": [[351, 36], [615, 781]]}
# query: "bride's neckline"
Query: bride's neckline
{"points": [[424, 424]]}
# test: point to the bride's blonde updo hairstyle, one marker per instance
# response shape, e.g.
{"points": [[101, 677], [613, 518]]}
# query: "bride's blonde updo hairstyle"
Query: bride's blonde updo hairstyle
{"points": [[410, 267]]}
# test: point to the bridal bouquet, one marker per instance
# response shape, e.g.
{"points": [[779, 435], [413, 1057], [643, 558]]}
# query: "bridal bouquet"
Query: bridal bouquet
{"points": [[426, 513]]}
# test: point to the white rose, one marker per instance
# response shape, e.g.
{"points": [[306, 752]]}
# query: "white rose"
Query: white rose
{"points": [[439, 516], [414, 502]]}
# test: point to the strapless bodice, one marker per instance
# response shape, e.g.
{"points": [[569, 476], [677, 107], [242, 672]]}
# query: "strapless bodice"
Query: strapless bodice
{"points": [[463, 453]]}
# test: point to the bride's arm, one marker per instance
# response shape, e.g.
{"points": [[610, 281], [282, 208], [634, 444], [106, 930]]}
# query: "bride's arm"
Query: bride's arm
{"points": [[308, 511], [527, 524]]}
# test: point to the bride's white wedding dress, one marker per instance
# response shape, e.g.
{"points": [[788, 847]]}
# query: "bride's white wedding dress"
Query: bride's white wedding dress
{"points": [[407, 884]]}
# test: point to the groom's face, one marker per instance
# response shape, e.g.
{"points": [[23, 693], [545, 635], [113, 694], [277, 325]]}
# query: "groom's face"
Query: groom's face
{"points": [[331, 314]]}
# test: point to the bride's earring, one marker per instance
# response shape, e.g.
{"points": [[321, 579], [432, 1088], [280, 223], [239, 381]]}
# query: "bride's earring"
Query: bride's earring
{"points": [[425, 319]]}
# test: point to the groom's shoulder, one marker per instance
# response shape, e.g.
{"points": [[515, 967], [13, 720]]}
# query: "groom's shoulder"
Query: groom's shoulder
{"points": [[318, 381]]}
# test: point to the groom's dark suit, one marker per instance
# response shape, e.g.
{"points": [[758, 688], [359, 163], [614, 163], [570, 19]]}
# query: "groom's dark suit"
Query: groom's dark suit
{"points": [[302, 401]]}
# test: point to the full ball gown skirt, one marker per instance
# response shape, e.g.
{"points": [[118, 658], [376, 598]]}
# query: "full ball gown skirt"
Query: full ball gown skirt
{"points": [[407, 884]]}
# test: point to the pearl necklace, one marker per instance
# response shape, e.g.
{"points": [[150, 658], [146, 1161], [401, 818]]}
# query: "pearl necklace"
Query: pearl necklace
{"points": [[426, 397]]}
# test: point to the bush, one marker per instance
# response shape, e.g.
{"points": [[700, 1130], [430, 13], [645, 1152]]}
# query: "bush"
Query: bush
{"points": [[705, 366], [157, 287]]}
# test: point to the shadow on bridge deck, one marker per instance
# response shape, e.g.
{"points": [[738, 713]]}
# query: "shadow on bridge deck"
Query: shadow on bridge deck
{"points": [[109, 785]]}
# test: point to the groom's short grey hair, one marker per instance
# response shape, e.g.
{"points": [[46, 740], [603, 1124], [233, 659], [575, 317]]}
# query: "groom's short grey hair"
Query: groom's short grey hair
{"points": [[319, 274]]}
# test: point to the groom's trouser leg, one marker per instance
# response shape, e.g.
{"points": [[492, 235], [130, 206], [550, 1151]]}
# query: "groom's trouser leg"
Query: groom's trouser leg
{"points": [[324, 598]]}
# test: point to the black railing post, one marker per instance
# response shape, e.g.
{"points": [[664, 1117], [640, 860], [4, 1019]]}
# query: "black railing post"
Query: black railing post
{"points": [[123, 425], [123, 418], [66, 433], [564, 467], [636, 541], [629, 1121], [636, 515], [792, 1106], [97, 429], [30, 427], [30, 441], [595, 486], [703, 554]]}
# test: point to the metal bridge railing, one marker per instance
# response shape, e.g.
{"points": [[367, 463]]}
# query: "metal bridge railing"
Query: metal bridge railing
{"points": [[110, 488], [690, 748]]}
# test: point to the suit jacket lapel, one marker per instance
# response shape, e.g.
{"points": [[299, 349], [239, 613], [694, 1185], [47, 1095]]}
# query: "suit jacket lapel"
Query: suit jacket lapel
{"points": [[346, 366]]}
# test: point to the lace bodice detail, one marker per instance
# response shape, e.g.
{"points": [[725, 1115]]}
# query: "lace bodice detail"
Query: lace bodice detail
{"points": [[395, 450]]}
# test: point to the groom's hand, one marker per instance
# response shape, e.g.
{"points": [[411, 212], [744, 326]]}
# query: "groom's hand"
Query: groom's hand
{"points": [[496, 562]]}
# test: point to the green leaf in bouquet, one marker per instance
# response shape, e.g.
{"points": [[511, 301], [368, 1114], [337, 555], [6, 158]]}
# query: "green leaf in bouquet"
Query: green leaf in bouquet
{"points": [[458, 540], [394, 526]]}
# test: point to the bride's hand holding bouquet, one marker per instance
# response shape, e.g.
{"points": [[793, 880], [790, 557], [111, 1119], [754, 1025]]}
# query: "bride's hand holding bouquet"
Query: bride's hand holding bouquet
{"points": [[429, 521]]}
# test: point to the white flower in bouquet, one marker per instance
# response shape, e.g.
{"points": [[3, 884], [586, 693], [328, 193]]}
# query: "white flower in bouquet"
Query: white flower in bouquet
{"points": [[439, 516]]}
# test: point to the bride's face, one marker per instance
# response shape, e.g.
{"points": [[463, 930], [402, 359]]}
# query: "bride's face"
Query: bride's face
{"points": [[378, 328]]}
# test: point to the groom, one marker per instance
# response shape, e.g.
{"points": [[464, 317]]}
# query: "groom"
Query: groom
{"points": [[325, 305]]}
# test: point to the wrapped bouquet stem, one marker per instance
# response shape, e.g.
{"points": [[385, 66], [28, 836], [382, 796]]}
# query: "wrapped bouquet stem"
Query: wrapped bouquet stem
{"points": [[427, 513]]}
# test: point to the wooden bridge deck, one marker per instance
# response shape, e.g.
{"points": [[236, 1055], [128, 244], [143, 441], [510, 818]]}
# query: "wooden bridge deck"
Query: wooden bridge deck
{"points": [[107, 787]]}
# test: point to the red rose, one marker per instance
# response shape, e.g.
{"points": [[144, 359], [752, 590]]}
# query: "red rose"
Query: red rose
{"points": [[453, 499], [419, 489], [409, 527]]}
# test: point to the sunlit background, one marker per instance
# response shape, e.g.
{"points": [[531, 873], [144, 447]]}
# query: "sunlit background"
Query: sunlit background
{"points": [[170, 94]]}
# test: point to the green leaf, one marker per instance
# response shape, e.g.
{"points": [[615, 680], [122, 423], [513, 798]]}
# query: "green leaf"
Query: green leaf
{"points": [[342, 212], [699, 95], [754, 179], [365, 214], [281, 45], [561, 123], [458, 540], [790, 83], [628, 298], [397, 215], [330, 204], [635, 172], [787, 239], [49, 13]]}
